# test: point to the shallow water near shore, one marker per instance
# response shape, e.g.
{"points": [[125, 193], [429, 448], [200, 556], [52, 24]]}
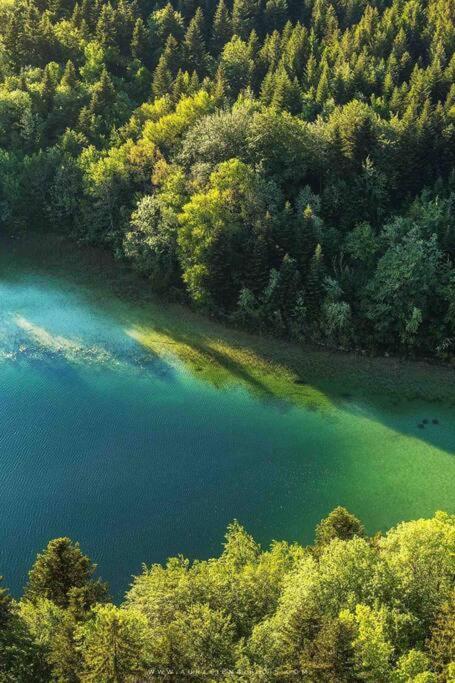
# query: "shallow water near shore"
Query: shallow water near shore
{"points": [[141, 430]]}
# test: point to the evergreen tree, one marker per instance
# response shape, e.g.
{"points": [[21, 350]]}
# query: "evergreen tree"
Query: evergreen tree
{"points": [[276, 13], [106, 27], [314, 286], [339, 524], [77, 16], [286, 93], [103, 96], [114, 645], [194, 44], [222, 27], [69, 78], [162, 76], [140, 43], [58, 570], [47, 91], [259, 261], [244, 13]]}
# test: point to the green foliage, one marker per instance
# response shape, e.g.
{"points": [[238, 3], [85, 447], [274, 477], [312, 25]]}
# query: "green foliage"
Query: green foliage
{"points": [[343, 111], [60, 572], [152, 242], [113, 645], [339, 524], [349, 608]]}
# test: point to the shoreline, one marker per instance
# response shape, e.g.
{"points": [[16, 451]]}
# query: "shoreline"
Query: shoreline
{"points": [[208, 345]]}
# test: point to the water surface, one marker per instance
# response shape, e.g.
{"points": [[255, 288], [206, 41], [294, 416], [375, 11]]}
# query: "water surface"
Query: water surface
{"points": [[141, 432]]}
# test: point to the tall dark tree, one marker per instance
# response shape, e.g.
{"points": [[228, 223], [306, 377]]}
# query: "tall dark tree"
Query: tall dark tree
{"points": [[140, 42], [194, 44], [222, 27], [59, 570]]}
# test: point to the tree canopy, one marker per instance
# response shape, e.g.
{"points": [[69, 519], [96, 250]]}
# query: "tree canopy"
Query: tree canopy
{"points": [[285, 166], [347, 609]]}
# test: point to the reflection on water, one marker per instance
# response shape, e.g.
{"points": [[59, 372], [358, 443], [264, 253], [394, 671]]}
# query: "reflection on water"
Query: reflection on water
{"points": [[142, 435]]}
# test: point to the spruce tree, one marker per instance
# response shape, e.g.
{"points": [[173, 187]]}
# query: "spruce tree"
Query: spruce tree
{"points": [[244, 13], [338, 524], [103, 95], [222, 27], [47, 90], [163, 75], [219, 86], [314, 282], [286, 93], [69, 78], [114, 645], [181, 85], [59, 569], [77, 16], [106, 30], [140, 43], [260, 252], [194, 44]]}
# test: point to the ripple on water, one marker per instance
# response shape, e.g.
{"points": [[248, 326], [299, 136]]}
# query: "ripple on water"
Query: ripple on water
{"points": [[112, 437]]}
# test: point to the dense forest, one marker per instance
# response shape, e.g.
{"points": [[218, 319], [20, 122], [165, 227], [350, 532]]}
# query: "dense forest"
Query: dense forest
{"points": [[286, 166], [347, 609]]}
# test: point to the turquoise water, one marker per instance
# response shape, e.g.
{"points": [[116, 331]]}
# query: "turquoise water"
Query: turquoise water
{"points": [[138, 457]]}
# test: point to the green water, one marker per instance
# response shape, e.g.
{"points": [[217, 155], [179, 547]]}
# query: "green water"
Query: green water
{"points": [[141, 431]]}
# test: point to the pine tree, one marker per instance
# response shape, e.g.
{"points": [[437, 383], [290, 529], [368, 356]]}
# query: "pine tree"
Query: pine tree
{"points": [[194, 44], [125, 21], [268, 87], [77, 16], [69, 78], [106, 31], [163, 75], [187, 8], [85, 122], [103, 95], [323, 90], [181, 85], [314, 283], [338, 524], [15, 39], [276, 12], [59, 569], [290, 285], [330, 654], [219, 87], [222, 27], [305, 236], [140, 43], [194, 82], [260, 256], [170, 24], [244, 14], [47, 90], [286, 93], [90, 13], [114, 645]]}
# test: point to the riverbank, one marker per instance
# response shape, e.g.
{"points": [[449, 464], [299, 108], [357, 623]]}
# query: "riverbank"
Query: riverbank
{"points": [[219, 353]]}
